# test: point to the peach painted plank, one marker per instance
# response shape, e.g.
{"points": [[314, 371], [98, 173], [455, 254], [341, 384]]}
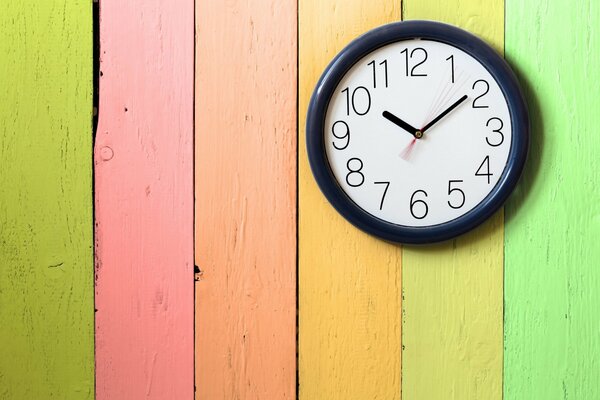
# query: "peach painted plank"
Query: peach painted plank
{"points": [[246, 80], [144, 201]]}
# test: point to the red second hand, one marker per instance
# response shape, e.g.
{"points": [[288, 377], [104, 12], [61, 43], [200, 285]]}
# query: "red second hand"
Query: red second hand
{"points": [[405, 154]]}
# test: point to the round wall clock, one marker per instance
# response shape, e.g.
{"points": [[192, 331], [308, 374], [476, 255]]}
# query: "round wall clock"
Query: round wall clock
{"points": [[417, 132]]}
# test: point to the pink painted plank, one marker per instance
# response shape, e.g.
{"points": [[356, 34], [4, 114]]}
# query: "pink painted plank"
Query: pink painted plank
{"points": [[144, 201]]}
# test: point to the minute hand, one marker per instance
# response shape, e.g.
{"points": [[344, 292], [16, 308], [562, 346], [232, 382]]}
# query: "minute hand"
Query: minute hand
{"points": [[442, 115]]}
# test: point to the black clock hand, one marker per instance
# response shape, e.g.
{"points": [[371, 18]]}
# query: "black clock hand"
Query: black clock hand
{"points": [[391, 117], [442, 115]]}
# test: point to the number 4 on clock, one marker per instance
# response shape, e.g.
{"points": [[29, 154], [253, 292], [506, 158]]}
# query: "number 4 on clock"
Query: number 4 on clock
{"points": [[485, 164]]}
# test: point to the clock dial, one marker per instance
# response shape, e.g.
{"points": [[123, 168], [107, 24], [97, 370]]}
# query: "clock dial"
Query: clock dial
{"points": [[417, 133]]}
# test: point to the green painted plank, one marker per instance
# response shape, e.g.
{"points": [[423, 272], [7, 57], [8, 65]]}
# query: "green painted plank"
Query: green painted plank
{"points": [[552, 271], [46, 259]]}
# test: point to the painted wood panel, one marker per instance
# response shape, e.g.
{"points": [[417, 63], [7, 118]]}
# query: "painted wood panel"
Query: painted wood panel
{"points": [[452, 292], [46, 260], [246, 77], [552, 329], [349, 282], [144, 201]]}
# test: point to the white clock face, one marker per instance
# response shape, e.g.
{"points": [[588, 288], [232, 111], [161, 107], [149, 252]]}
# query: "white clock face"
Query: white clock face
{"points": [[418, 133]]}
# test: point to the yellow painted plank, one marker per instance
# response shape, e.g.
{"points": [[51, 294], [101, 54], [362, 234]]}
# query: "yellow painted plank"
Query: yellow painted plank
{"points": [[349, 283], [452, 292]]}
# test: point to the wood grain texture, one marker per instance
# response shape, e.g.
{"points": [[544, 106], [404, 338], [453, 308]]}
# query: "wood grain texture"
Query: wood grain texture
{"points": [[246, 77], [349, 282], [144, 201], [46, 260], [552, 329], [452, 292]]}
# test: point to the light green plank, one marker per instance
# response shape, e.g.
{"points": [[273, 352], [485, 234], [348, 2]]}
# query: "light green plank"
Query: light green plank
{"points": [[552, 272], [46, 259]]}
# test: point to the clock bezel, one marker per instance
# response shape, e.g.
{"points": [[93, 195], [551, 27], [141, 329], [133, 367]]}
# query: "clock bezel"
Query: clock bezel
{"points": [[354, 52]]}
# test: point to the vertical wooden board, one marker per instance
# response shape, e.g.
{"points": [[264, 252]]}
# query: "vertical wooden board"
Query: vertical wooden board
{"points": [[349, 282], [246, 77], [452, 292], [552, 280], [46, 261], [144, 201]]}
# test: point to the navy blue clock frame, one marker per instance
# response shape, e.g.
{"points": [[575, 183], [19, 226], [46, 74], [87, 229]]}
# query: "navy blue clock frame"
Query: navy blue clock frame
{"points": [[364, 45]]}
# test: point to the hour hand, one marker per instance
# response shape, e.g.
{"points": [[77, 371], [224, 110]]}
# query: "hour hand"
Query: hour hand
{"points": [[407, 127]]}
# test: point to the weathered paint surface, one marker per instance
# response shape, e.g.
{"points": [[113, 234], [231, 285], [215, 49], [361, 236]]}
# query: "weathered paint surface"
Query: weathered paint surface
{"points": [[246, 78], [349, 282], [144, 201], [46, 261], [452, 304], [552, 275]]}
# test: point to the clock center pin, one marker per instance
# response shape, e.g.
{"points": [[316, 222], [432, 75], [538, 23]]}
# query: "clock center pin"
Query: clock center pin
{"points": [[418, 134]]}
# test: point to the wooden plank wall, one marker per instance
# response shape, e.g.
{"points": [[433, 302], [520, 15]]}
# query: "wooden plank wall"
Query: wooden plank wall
{"points": [[349, 282], [552, 335], [246, 76], [452, 325], [144, 201], [46, 261], [364, 333]]}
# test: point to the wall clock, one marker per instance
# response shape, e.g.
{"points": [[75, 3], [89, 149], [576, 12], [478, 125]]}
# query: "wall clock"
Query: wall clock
{"points": [[417, 132]]}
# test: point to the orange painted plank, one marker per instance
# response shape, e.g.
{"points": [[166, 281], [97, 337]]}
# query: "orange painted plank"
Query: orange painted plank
{"points": [[246, 79], [144, 201]]}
